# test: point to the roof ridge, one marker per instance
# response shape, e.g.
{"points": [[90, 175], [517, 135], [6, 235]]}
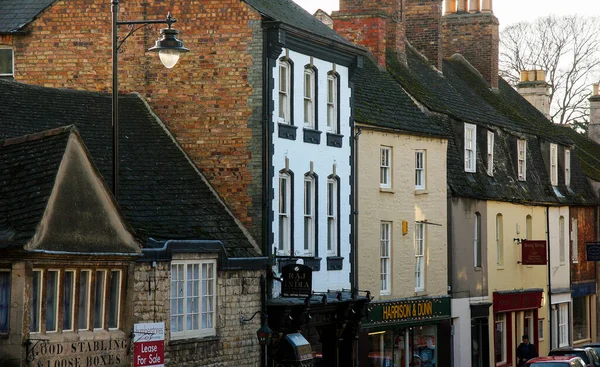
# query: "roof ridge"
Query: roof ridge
{"points": [[38, 136]]}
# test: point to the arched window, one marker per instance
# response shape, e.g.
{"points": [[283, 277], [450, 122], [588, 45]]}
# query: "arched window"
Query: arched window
{"points": [[310, 97], [285, 89], [499, 241], [284, 245], [333, 104], [333, 228], [310, 214]]}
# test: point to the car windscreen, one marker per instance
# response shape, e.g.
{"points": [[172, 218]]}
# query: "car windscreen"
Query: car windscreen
{"points": [[578, 353]]}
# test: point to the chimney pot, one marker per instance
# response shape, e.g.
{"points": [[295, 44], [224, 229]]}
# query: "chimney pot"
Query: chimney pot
{"points": [[531, 75], [595, 89], [541, 75], [450, 7], [523, 75]]}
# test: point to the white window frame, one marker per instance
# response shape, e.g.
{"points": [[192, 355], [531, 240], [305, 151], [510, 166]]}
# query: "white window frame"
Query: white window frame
{"points": [[470, 147], [500, 319], [567, 167], [562, 251], [499, 240], [7, 295], [385, 167], [477, 250], [309, 215], [540, 329], [332, 98], [420, 170], [553, 164], [285, 101], [385, 230], [420, 239], [309, 98], [574, 240], [332, 217], [522, 159], [490, 153], [57, 287], [284, 210], [563, 324], [12, 72], [202, 291]]}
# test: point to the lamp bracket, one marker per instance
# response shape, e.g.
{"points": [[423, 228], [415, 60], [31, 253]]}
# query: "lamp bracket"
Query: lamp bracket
{"points": [[244, 320], [136, 25]]}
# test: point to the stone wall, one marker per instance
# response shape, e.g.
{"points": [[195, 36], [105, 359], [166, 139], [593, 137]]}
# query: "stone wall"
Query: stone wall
{"points": [[238, 293]]}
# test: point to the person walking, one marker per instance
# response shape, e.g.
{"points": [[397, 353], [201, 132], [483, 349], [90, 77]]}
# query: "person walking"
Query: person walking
{"points": [[525, 351]]}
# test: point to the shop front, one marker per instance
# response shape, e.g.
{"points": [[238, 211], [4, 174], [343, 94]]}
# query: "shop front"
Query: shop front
{"points": [[406, 332], [584, 315]]}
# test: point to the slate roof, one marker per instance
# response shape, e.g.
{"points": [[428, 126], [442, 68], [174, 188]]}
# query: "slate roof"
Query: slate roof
{"points": [[463, 95], [292, 14], [161, 193], [16, 14], [380, 101]]}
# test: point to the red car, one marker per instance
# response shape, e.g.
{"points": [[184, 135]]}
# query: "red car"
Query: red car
{"points": [[556, 361]]}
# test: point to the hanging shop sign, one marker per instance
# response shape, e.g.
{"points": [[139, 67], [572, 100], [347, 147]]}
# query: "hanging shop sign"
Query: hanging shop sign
{"points": [[149, 344], [296, 280], [421, 309], [592, 251], [533, 252]]}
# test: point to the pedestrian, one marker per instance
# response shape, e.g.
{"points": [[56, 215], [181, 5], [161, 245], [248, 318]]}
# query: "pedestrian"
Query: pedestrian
{"points": [[525, 351]]}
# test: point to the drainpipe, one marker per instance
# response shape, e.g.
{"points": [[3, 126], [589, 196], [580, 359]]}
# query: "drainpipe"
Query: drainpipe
{"points": [[355, 235], [549, 274]]}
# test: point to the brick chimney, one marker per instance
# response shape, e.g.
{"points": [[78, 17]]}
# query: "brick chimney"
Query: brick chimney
{"points": [[594, 126], [424, 28], [535, 90], [470, 28], [377, 25]]}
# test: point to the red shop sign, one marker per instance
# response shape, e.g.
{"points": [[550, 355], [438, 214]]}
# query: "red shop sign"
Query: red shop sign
{"points": [[533, 252], [516, 301]]}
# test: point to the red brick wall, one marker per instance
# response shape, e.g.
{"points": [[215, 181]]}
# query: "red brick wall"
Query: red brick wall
{"points": [[583, 270], [476, 37], [423, 28], [205, 100]]}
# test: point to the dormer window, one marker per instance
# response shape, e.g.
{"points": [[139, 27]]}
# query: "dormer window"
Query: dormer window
{"points": [[309, 98], [567, 167], [553, 164], [490, 153], [470, 147], [522, 162], [6, 62], [285, 98]]}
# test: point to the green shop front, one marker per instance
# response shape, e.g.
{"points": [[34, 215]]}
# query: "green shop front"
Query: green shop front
{"points": [[406, 332]]}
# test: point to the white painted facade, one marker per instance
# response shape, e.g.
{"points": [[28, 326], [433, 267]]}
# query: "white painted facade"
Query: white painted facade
{"points": [[297, 155]]}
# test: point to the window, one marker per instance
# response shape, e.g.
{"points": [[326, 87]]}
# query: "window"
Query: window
{"points": [[384, 251], [477, 241], [193, 297], [574, 240], [4, 300], [420, 169], [309, 215], [470, 147], [285, 204], [528, 325], [522, 161], [567, 167], [420, 257], [528, 227], [553, 165], [500, 338], [284, 92], [56, 292], [332, 102], [385, 168], [490, 153], [563, 324], [6, 62], [332, 217], [541, 329], [499, 241], [580, 318], [561, 239], [309, 98]]}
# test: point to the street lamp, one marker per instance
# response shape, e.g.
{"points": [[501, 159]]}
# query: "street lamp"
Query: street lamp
{"points": [[169, 49]]}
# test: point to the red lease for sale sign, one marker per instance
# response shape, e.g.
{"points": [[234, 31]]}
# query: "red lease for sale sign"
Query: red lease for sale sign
{"points": [[149, 345]]}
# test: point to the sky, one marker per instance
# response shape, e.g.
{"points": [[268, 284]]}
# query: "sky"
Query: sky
{"points": [[507, 11]]}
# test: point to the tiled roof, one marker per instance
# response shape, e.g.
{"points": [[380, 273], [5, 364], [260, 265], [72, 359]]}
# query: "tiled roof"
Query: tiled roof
{"points": [[380, 101], [292, 14], [15, 14], [161, 193], [463, 95]]}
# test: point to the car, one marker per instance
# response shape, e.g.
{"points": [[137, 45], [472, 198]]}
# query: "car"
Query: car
{"points": [[555, 361], [589, 355], [595, 346]]}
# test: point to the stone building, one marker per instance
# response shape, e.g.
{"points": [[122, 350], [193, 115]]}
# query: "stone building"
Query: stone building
{"points": [[80, 270]]}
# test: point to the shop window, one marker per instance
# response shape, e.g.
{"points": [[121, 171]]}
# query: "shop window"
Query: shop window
{"points": [[384, 252], [561, 240], [500, 340], [563, 324], [385, 167], [193, 298], [420, 257], [48, 284], [332, 216], [6, 62], [580, 319], [477, 241], [4, 300], [499, 241]]}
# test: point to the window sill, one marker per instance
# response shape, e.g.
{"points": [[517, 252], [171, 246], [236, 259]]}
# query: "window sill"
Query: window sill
{"points": [[421, 191], [335, 140], [335, 263], [500, 267], [197, 339], [478, 268], [286, 131], [388, 190], [420, 293], [311, 136]]}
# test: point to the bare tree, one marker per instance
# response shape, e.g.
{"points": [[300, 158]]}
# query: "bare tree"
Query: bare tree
{"points": [[568, 49]]}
